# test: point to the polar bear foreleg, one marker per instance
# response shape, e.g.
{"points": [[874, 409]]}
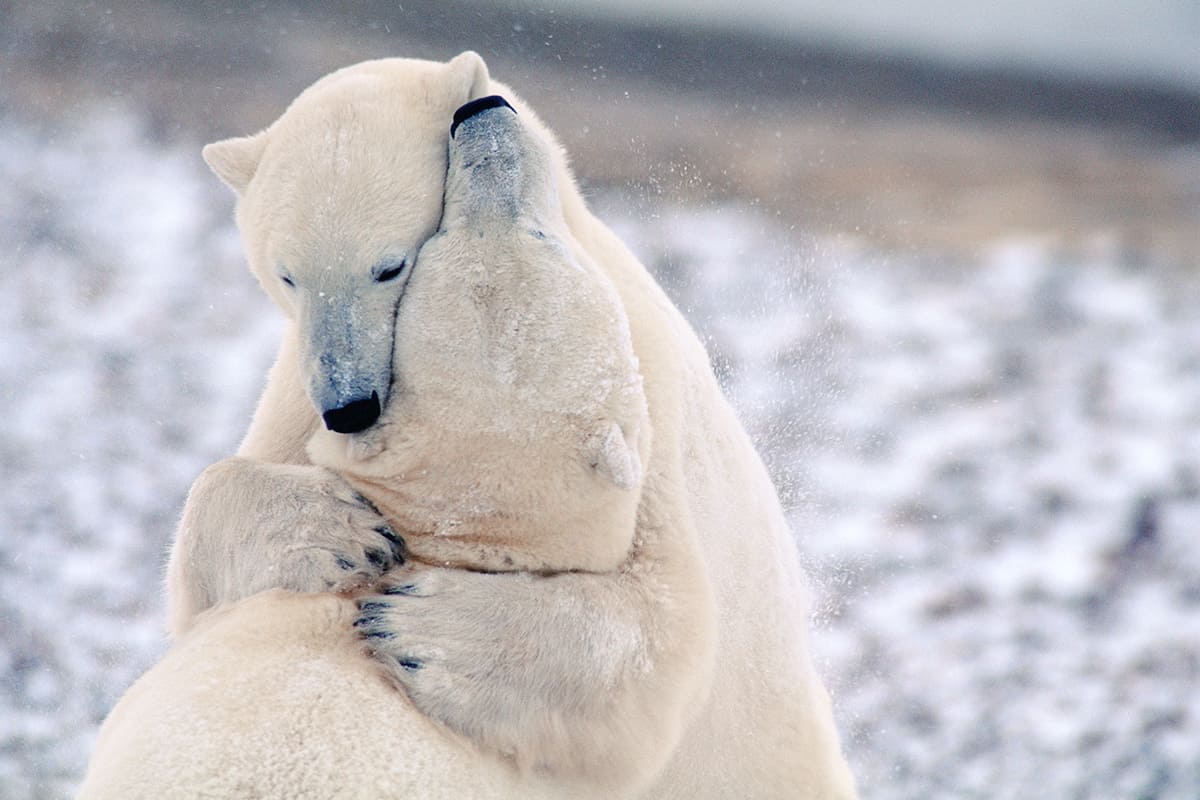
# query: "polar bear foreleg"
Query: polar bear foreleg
{"points": [[249, 526], [579, 675]]}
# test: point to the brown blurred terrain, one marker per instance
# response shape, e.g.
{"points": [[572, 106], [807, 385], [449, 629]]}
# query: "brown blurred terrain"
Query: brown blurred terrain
{"points": [[899, 154]]}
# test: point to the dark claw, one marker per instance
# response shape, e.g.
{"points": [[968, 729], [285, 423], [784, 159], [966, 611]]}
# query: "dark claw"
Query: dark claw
{"points": [[410, 664], [377, 557], [372, 605], [345, 563], [389, 534], [397, 543], [379, 634], [367, 621], [402, 588], [365, 503]]}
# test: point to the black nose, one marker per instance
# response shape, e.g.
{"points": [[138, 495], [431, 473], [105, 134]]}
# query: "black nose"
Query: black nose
{"points": [[468, 110], [355, 416]]}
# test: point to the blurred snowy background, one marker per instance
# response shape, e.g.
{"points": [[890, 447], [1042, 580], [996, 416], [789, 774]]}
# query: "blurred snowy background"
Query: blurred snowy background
{"points": [[947, 263]]}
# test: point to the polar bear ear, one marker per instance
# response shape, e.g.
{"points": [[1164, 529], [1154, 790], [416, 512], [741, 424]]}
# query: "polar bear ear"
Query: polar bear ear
{"points": [[235, 160], [471, 74], [612, 455]]}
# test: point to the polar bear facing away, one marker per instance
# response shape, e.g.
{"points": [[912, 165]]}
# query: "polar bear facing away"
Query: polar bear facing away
{"points": [[630, 624]]}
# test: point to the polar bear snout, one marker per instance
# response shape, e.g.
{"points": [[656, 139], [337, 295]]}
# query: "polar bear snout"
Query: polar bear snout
{"points": [[500, 170], [346, 334], [355, 416], [486, 136]]}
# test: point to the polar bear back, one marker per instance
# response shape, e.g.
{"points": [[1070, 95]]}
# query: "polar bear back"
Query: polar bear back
{"points": [[298, 712]]}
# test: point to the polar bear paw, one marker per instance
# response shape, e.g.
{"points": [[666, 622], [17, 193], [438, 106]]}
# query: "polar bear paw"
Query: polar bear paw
{"points": [[337, 541], [313, 534], [345, 564], [471, 651]]}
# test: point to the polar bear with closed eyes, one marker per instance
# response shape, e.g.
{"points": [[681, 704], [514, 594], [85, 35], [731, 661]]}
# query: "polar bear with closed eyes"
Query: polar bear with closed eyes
{"points": [[600, 596]]}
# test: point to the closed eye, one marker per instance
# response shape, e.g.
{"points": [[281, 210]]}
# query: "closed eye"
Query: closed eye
{"points": [[389, 273]]}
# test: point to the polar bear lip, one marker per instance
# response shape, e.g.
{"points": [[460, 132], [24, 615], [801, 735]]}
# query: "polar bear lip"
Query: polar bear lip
{"points": [[468, 110], [355, 416]]}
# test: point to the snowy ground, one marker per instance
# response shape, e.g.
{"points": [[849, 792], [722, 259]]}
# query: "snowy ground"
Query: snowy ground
{"points": [[993, 467]]}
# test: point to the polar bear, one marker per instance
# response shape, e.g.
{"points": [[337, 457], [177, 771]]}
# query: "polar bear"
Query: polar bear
{"points": [[670, 663], [276, 690]]}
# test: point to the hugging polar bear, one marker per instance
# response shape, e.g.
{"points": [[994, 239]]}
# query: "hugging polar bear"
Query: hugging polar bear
{"points": [[601, 597]]}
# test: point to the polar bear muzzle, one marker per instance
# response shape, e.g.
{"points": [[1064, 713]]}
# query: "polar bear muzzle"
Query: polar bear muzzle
{"points": [[347, 334]]}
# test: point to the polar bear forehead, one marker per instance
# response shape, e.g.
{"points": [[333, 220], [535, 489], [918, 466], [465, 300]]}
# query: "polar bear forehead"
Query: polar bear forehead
{"points": [[403, 83], [354, 168], [413, 80], [355, 176]]}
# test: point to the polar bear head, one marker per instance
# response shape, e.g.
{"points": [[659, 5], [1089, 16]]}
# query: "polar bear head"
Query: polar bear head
{"points": [[518, 424], [334, 200]]}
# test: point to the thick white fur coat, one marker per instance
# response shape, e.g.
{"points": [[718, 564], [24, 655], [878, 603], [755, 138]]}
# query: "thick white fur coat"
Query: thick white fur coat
{"points": [[603, 601]]}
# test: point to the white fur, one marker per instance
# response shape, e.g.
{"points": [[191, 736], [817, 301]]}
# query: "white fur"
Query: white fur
{"points": [[663, 658], [273, 699], [518, 424], [349, 178]]}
